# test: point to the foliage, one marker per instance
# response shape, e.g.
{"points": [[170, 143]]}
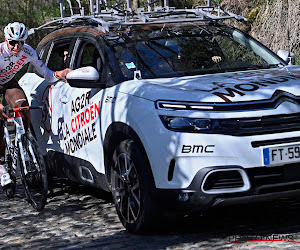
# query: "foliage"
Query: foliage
{"points": [[32, 13], [267, 19], [252, 16]]}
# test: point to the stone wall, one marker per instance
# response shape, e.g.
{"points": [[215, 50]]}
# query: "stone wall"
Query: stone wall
{"points": [[270, 21]]}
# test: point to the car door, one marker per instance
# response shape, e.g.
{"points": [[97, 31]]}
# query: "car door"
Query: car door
{"points": [[79, 109], [40, 92], [52, 53]]}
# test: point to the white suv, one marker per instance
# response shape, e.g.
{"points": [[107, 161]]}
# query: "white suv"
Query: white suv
{"points": [[171, 113]]}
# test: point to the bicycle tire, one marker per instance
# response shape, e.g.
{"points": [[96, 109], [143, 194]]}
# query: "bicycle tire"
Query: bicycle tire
{"points": [[35, 181]]}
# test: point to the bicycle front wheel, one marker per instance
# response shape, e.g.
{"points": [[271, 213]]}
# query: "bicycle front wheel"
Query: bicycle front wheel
{"points": [[34, 174]]}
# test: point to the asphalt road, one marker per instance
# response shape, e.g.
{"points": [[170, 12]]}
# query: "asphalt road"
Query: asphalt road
{"points": [[78, 217]]}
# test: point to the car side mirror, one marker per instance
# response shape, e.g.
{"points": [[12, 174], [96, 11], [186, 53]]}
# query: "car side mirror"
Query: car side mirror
{"points": [[287, 56], [85, 77]]}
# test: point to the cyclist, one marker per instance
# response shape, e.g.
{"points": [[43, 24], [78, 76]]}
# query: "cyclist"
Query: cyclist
{"points": [[14, 54]]}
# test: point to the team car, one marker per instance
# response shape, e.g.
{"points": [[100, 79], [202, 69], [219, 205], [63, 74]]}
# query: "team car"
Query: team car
{"points": [[172, 111]]}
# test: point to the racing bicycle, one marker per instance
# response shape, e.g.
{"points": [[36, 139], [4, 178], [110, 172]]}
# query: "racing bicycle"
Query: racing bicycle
{"points": [[23, 156]]}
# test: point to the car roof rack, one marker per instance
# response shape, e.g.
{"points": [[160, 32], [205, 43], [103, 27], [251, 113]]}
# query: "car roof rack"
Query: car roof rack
{"points": [[105, 15]]}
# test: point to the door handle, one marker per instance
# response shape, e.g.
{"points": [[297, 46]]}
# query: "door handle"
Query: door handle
{"points": [[64, 99]]}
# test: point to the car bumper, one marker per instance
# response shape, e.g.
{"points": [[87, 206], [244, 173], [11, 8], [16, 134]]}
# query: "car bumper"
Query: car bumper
{"points": [[275, 183]]}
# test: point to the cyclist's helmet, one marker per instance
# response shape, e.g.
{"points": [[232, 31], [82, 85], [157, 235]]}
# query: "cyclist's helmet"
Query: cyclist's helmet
{"points": [[16, 31]]}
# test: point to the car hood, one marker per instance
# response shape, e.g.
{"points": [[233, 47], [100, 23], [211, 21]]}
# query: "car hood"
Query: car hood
{"points": [[241, 86]]}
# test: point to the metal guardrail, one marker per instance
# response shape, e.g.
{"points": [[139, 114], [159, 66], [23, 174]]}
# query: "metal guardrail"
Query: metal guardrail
{"points": [[106, 15]]}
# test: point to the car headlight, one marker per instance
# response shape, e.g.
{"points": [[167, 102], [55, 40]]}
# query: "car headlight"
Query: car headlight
{"points": [[185, 124]]}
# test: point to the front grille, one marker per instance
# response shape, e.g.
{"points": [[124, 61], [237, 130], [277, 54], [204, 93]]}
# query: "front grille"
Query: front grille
{"points": [[256, 144], [265, 176], [260, 125], [223, 180], [264, 179]]}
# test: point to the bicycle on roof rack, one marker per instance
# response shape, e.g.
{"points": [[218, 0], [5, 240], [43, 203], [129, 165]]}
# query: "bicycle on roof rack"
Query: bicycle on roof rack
{"points": [[105, 15], [23, 155]]}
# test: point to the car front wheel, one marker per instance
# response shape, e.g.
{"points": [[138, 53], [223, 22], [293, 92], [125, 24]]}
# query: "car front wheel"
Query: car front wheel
{"points": [[133, 188]]}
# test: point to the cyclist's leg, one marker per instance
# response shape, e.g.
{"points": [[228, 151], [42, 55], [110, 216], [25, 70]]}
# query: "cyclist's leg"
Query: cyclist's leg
{"points": [[2, 144], [16, 97], [4, 175], [5, 179]]}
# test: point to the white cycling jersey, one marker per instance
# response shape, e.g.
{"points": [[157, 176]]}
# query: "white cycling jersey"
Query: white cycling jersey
{"points": [[10, 64]]}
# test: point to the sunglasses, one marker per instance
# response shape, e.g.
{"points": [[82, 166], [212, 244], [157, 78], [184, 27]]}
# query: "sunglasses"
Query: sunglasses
{"points": [[13, 43]]}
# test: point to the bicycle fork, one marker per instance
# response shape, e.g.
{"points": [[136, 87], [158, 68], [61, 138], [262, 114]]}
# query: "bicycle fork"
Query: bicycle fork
{"points": [[17, 149], [11, 149]]}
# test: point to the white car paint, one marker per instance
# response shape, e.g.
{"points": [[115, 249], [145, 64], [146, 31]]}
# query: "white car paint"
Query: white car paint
{"points": [[85, 114]]}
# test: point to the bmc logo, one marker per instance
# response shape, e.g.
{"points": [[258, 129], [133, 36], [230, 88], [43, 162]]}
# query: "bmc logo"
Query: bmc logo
{"points": [[194, 149]]}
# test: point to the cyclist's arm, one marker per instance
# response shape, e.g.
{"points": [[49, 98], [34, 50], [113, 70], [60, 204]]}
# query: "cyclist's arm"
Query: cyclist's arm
{"points": [[48, 74], [62, 74]]}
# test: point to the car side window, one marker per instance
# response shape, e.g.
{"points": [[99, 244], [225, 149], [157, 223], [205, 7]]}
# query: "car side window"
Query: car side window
{"points": [[59, 57], [90, 56], [89, 53]]}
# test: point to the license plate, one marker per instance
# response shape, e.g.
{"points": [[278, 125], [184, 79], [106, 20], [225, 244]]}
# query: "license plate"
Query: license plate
{"points": [[283, 154]]}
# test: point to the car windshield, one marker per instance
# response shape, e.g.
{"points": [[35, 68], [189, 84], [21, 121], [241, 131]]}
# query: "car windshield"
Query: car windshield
{"points": [[188, 50]]}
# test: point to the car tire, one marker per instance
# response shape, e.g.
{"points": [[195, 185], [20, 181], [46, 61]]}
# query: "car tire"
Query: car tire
{"points": [[133, 189]]}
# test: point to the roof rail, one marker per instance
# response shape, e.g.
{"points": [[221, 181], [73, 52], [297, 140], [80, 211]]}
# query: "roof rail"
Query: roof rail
{"points": [[105, 15]]}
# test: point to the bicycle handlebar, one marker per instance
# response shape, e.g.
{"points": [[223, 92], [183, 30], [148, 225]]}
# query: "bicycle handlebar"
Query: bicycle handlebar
{"points": [[24, 108], [20, 109]]}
